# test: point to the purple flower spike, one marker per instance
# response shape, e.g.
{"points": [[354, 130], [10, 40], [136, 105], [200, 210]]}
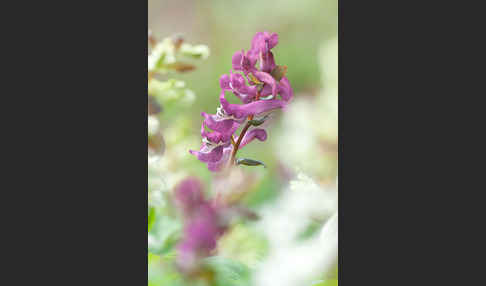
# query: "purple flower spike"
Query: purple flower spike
{"points": [[257, 133], [253, 108], [258, 89]]}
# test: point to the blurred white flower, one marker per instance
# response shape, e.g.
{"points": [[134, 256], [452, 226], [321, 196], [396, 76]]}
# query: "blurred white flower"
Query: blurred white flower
{"points": [[294, 262], [153, 125]]}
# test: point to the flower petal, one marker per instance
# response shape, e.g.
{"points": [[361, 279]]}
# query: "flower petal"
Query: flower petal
{"points": [[219, 124], [264, 41], [236, 60], [258, 133], [224, 82], [252, 108], [267, 63], [219, 165], [267, 79], [188, 194], [285, 90], [206, 154]]}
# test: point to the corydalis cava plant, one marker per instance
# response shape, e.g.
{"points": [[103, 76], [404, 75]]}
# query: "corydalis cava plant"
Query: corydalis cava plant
{"points": [[262, 88]]}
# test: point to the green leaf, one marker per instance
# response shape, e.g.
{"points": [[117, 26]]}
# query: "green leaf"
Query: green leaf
{"points": [[249, 162], [228, 272], [257, 122]]}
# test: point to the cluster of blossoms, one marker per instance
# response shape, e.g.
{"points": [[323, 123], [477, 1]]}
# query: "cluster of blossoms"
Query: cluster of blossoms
{"points": [[258, 89]]}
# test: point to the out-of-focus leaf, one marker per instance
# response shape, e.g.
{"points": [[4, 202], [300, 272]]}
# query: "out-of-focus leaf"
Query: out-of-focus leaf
{"points": [[279, 72], [243, 244], [331, 282], [164, 235], [249, 162], [151, 218], [228, 272]]}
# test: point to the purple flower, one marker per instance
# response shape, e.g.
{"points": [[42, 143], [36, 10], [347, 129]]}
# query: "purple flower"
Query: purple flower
{"points": [[219, 165], [236, 83], [268, 80], [283, 89], [257, 133], [264, 41], [253, 108], [188, 195], [244, 62], [267, 62], [200, 236], [261, 45], [215, 144]]}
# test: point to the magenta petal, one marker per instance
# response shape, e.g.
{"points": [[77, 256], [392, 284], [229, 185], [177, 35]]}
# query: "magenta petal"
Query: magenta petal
{"points": [[224, 82], [267, 79], [258, 133], [253, 108], [264, 41], [218, 166], [236, 60], [272, 40], [266, 91], [268, 62], [217, 124], [241, 90], [188, 194], [285, 90], [258, 41], [206, 154]]}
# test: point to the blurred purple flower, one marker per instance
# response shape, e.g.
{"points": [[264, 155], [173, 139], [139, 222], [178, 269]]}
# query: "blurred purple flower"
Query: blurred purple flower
{"points": [[188, 194], [203, 224]]}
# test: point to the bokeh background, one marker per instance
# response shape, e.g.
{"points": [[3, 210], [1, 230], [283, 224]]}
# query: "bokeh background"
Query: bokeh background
{"points": [[301, 149]]}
